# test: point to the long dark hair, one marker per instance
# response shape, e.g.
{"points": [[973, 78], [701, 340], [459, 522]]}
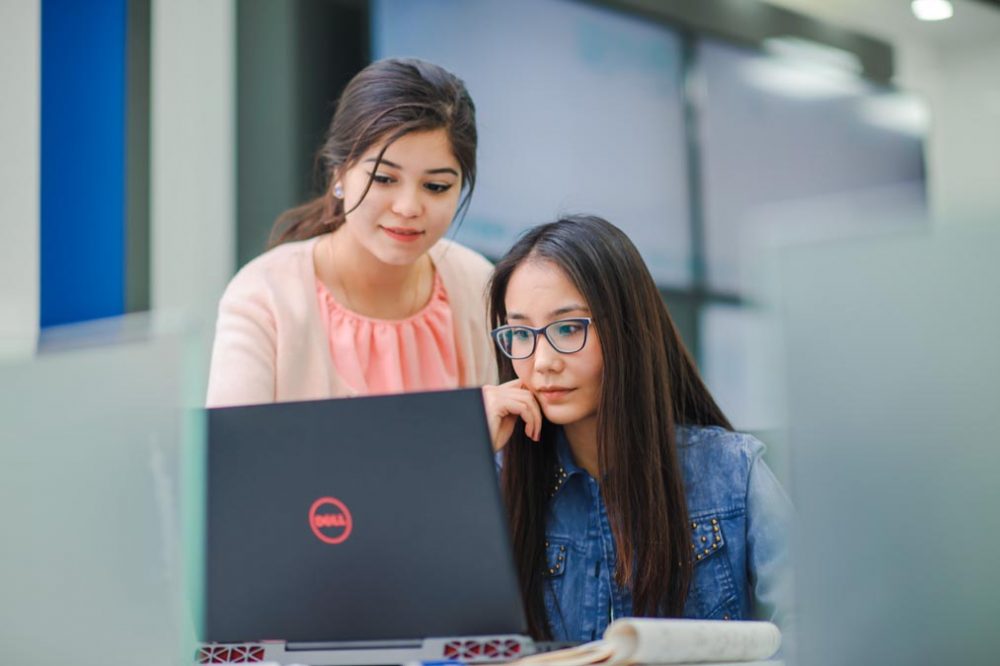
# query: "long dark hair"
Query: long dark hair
{"points": [[649, 385], [384, 101]]}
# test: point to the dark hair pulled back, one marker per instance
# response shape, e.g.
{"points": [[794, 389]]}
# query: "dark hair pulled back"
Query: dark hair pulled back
{"points": [[383, 102]]}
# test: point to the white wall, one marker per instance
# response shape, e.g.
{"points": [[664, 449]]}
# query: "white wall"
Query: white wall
{"points": [[954, 66], [20, 114], [192, 154], [965, 139]]}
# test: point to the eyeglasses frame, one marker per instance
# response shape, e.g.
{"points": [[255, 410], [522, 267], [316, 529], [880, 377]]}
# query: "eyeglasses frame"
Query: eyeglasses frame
{"points": [[542, 330]]}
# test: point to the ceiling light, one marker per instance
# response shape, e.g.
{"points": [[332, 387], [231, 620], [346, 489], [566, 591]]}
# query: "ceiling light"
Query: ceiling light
{"points": [[806, 50], [802, 81], [805, 70], [932, 10]]}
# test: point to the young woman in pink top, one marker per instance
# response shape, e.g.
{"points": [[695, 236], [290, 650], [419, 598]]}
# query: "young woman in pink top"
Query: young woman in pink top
{"points": [[360, 293]]}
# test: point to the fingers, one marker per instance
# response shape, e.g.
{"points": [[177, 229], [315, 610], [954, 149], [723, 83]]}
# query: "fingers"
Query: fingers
{"points": [[521, 404], [507, 403], [531, 413]]}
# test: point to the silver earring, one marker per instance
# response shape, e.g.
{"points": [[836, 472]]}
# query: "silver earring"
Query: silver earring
{"points": [[338, 191]]}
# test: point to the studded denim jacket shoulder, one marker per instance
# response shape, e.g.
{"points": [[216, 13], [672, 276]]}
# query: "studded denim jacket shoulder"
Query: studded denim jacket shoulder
{"points": [[739, 520]]}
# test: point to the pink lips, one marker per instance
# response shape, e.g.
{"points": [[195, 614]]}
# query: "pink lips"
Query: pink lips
{"points": [[402, 234], [553, 393]]}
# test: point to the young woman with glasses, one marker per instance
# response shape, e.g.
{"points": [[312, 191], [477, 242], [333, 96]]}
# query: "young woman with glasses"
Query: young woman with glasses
{"points": [[628, 491], [360, 293]]}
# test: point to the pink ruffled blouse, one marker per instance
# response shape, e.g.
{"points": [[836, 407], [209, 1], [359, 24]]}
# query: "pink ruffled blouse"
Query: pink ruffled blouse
{"points": [[393, 356]]}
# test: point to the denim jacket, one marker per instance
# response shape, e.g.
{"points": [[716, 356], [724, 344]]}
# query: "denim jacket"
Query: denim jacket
{"points": [[739, 520]]}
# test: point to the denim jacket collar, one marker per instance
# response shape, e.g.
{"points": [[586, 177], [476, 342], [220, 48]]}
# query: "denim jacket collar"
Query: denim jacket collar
{"points": [[566, 466]]}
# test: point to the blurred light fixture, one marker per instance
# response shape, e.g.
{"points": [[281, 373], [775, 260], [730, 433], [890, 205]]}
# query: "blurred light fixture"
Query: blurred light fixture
{"points": [[897, 112], [932, 10], [805, 70], [802, 82], [813, 53]]}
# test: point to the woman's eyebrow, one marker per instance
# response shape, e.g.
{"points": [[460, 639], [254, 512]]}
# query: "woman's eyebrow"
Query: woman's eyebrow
{"points": [[555, 313], [443, 170], [569, 308], [396, 166], [384, 161]]}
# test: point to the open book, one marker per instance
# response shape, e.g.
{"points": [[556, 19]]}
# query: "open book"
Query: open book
{"points": [[669, 641]]}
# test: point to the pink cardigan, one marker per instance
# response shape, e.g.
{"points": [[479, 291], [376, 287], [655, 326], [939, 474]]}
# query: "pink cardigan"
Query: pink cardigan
{"points": [[270, 344]]}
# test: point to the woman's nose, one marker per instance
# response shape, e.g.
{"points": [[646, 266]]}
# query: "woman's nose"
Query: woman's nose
{"points": [[407, 203], [547, 358]]}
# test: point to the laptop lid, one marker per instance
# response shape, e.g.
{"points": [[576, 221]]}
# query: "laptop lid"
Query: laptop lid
{"points": [[356, 519]]}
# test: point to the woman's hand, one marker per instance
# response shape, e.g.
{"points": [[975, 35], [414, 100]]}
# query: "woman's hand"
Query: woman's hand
{"points": [[507, 403]]}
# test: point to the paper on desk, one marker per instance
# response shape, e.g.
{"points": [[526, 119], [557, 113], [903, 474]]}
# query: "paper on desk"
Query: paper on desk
{"points": [[670, 641]]}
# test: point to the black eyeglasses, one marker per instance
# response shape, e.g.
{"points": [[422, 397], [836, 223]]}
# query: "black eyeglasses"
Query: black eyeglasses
{"points": [[566, 336]]}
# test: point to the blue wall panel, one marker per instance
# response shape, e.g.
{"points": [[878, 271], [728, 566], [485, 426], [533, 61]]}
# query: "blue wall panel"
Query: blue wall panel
{"points": [[82, 160]]}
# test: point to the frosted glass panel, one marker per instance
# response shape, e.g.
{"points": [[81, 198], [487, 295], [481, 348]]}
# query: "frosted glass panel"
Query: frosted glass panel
{"points": [[892, 370], [579, 110], [740, 350], [92, 568]]}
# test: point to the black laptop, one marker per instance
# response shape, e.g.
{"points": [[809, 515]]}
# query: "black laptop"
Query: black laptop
{"points": [[357, 519]]}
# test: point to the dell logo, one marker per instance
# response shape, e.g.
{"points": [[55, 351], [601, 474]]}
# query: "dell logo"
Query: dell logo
{"points": [[330, 520]]}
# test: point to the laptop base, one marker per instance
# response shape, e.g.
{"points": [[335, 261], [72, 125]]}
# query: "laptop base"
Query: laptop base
{"points": [[467, 649]]}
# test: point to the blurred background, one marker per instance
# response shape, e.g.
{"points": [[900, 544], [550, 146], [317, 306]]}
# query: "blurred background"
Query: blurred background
{"points": [[148, 146]]}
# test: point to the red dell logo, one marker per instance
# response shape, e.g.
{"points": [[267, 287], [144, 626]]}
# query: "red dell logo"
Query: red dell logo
{"points": [[330, 520]]}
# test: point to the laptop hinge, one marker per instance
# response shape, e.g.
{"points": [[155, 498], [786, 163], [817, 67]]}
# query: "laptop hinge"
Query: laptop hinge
{"points": [[353, 645]]}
